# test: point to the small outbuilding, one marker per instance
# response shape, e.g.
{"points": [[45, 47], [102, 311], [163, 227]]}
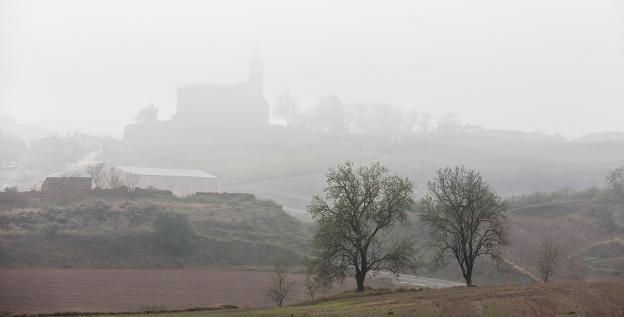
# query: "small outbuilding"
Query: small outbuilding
{"points": [[181, 182], [66, 185]]}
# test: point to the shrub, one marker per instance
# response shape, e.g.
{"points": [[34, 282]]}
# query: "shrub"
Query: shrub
{"points": [[173, 233], [562, 195]]}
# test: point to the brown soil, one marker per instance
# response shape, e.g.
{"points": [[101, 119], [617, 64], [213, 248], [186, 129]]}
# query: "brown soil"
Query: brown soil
{"points": [[558, 299], [589, 299], [566, 226], [114, 290]]}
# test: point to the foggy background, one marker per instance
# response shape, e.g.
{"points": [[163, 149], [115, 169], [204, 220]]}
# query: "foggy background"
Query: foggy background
{"points": [[554, 66], [195, 134]]}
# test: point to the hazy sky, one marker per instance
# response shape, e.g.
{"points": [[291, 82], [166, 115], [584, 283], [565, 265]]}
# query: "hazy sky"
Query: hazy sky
{"points": [[549, 65]]}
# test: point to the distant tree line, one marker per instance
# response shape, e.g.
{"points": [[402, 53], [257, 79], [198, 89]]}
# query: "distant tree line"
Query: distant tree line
{"points": [[562, 195], [332, 116]]}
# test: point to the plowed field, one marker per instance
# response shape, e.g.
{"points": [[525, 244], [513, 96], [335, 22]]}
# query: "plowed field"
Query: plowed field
{"points": [[114, 290]]}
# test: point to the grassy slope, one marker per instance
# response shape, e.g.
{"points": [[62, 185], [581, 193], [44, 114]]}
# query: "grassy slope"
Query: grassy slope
{"points": [[574, 227], [580, 299], [239, 230], [109, 231]]}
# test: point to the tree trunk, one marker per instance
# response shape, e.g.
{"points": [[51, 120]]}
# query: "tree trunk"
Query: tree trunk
{"points": [[468, 277], [359, 279], [467, 270]]}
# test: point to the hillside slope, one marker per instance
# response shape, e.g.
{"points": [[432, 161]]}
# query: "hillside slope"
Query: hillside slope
{"points": [[240, 230], [117, 231], [576, 227]]}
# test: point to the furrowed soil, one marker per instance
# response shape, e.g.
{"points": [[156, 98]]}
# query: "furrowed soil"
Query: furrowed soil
{"points": [[40, 291]]}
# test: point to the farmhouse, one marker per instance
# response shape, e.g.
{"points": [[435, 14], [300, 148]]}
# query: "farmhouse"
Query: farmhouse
{"points": [[66, 185], [181, 182]]}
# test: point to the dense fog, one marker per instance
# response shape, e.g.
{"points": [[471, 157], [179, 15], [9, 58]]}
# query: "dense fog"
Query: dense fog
{"points": [[267, 96], [177, 156], [553, 66]]}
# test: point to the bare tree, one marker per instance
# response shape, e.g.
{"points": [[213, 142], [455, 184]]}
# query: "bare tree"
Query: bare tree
{"points": [[114, 178], [98, 175], [329, 116], [448, 123], [147, 114], [466, 218], [132, 180], [578, 271], [547, 260], [280, 289], [360, 205], [310, 285]]}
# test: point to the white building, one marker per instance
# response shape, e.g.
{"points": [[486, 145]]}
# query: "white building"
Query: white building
{"points": [[180, 182]]}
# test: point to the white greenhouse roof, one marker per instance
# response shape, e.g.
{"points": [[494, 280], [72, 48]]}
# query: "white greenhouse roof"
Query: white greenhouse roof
{"points": [[165, 172]]}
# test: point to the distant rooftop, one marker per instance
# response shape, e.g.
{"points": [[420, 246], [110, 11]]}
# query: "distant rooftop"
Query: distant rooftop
{"points": [[165, 172]]}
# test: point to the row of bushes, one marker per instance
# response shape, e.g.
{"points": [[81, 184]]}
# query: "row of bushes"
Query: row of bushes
{"points": [[562, 195]]}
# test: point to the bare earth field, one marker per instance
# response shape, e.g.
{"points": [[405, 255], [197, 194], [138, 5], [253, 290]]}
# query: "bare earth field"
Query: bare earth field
{"points": [[558, 299], [115, 290]]}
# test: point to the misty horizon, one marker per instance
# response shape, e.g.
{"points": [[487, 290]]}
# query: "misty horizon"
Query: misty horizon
{"points": [[311, 158], [557, 68]]}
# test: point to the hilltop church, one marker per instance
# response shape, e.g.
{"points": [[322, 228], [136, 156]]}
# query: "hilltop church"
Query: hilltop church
{"points": [[206, 112]]}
